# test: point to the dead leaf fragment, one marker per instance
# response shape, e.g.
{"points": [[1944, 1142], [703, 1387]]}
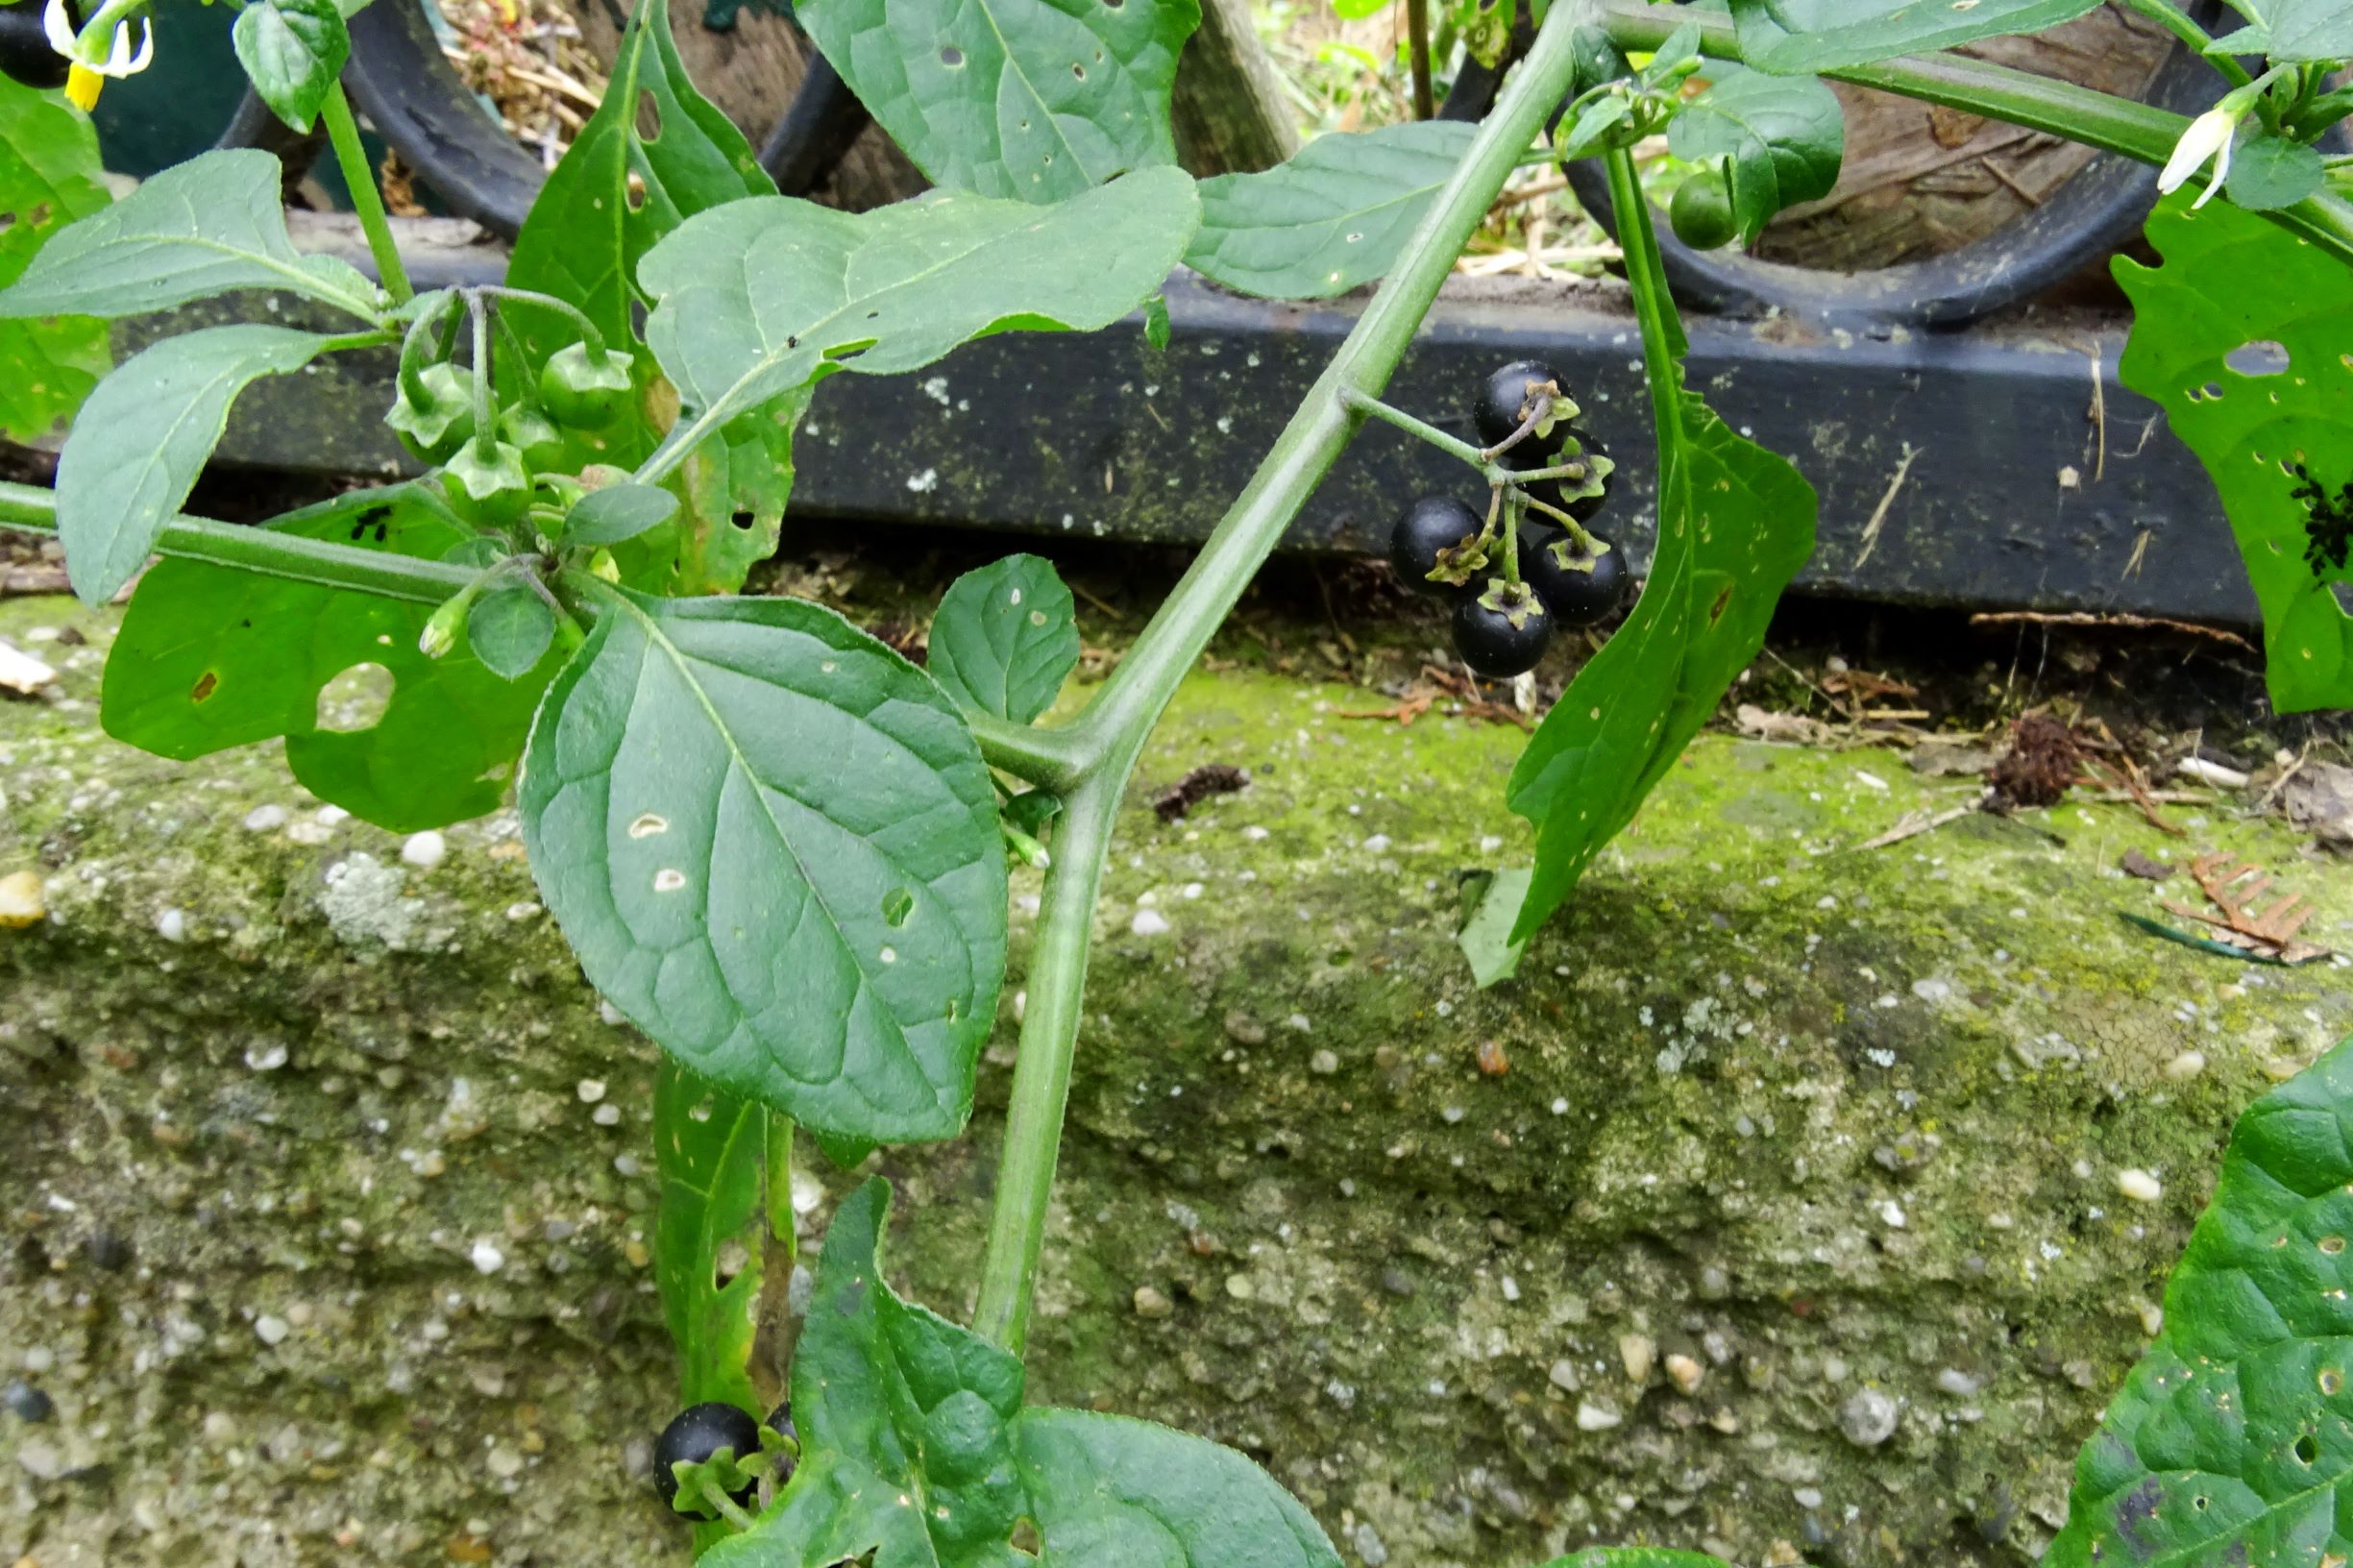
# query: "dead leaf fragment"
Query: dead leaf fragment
{"points": [[2137, 864], [2319, 801], [23, 673], [2233, 886]]}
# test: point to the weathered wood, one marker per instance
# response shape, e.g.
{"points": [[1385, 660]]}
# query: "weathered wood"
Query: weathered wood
{"points": [[1920, 180]]}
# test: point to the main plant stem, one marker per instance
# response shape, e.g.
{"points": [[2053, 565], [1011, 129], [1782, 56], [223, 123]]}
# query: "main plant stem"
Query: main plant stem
{"points": [[1105, 741], [343, 132]]}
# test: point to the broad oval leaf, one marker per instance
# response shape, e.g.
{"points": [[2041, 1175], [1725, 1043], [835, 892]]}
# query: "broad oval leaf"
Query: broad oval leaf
{"points": [[1006, 638], [144, 436], [761, 298], [773, 845], [209, 226], [211, 657], [50, 175], [2232, 1442], [1785, 135], [1332, 217], [618, 512], [292, 51], [916, 1448], [2191, 317], [1031, 99], [509, 628], [2268, 172], [1802, 38]]}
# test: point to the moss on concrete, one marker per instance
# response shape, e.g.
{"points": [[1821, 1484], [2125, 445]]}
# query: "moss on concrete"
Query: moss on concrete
{"points": [[325, 1211]]}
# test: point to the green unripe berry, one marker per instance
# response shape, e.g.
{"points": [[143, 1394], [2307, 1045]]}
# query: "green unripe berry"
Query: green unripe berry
{"points": [[1702, 211], [583, 390], [489, 491], [433, 428], [535, 435]]}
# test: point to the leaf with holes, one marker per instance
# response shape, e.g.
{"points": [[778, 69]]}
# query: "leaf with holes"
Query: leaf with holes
{"points": [[773, 845], [760, 299], [2299, 31], [212, 658], [1735, 524], [1332, 217], [2276, 434], [917, 1449], [2232, 1442], [209, 226], [293, 52], [736, 483], [1802, 38], [618, 193], [1030, 99], [50, 175], [1006, 638], [711, 1151], [1784, 137], [145, 436]]}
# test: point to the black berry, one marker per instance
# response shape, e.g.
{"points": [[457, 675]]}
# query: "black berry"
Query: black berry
{"points": [[697, 1435], [25, 56], [1509, 397], [1503, 631], [780, 1422], [1433, 535], [1580, 590]]}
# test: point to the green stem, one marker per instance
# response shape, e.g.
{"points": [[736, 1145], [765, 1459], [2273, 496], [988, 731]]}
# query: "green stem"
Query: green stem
{"points": [[352, 157], [2179, 22], [1105, 742], [1364, 403], [1050, 758], [590, 332], [267, 552], [1647, 274], [485, 428], [2097, 120], [1417, 53]]}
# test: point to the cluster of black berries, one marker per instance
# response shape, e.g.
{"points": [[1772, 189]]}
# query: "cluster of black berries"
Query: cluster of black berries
{"points": [[1443, 548]]}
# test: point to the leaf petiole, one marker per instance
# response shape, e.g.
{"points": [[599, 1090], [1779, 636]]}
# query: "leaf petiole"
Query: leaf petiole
{"points": [[343, 132]]}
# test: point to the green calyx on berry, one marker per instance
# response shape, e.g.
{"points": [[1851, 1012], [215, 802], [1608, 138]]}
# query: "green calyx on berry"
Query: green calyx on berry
{"points": [[1434, 546], [434, 427], [1502, 631], [489, 489], [584, 389], [1702, 210], [1581, 588], [1524, 389], [702, 1436], [534, 435], [1580, 498]]}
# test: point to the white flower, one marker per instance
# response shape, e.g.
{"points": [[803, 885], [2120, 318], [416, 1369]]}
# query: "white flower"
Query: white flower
{"points": [[122, 57], [2208, 138]]}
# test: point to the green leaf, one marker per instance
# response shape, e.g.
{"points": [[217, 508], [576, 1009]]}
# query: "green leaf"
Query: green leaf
{"points": [[1332, 217], [1029, 100], [1785, 137], [145, 436], [1495, 899], [614, 197], [2232, 1442], [1006, 638], [2297, 31], [209, 226], [1735, 524], [917, 1449], [509, 628], [711, 1150], [737, 483], [292, 51], [50, 175], [2231, 282], [212, 658], [773, 845], [618, 512], [2268, 171], [1155, 325], [1802, 38], [762, 298]]}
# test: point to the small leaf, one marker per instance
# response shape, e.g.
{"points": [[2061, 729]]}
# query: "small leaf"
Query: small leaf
{"points": [[510, 628], [1105, 1489], [145, 436], [1485, 938], [1785, 137], [713, 1167], [2232, 1442], [1006, 638], [773, 845], [1025, 100], [762, 298], [211, 657], [1033, 811], [2268, 171], [2300, 32], [50, 175], [618, 512], [1802, 38], [2232, 283], [209, 226], [1156, 327], [1332, 217], [292, 51]]}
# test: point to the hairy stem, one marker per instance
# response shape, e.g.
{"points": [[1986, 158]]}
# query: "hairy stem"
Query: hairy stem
{"points": [[2183, 26], [1105, 742], [343, 132], [269, 551]]}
